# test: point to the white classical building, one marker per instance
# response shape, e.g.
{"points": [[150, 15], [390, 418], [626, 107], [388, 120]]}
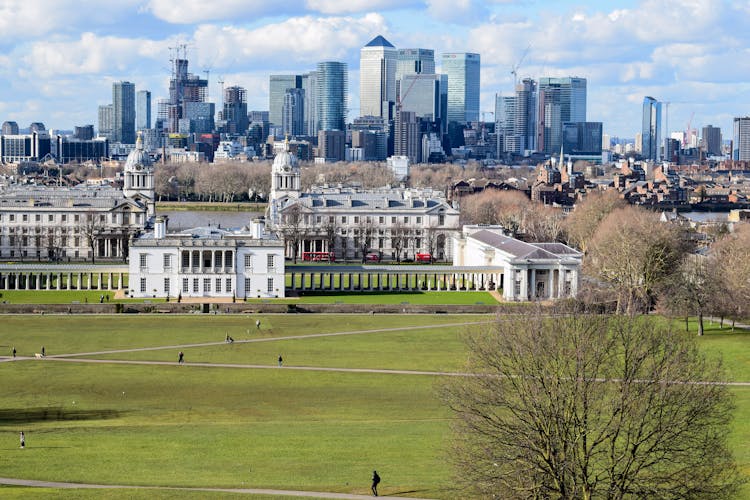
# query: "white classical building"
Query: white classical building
{"points": [[531, 271], [80, 222], [351, 222], [207, 262]]}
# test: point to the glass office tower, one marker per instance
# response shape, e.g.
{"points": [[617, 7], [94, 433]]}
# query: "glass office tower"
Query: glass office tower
{"points": [[463, 71], [332, 95], [651, 130]]}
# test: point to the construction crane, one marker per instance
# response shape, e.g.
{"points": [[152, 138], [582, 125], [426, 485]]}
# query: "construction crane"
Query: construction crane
{"points": [[514, 70]]}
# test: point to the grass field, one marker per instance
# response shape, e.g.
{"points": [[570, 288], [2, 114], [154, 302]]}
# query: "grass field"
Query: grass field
{"points": [[280, 428]]}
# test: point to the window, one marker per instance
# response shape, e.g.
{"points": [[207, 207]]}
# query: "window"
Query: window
{"points": [[77, 218], [143, 285], [318, 219], [406, 220], [12, 217], [143, 260], [248, 261], [419, 220], [38, 218], [393, 220], [167, 261], [195, 285], [270, 285], [50, 218], [76, 241], [185, 285], [270, 261], [206, 285], [331, 219], [343, 219], [248, 286], [381, 220], [228, 259], [217, 285], [166, 286], [356, 219], [185, 260], [25, 217], [228, 285], [441, 220], [64, 218]]}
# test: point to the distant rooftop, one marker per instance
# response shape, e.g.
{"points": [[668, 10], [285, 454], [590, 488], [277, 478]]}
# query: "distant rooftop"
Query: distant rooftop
{"points": [[379, 41]]}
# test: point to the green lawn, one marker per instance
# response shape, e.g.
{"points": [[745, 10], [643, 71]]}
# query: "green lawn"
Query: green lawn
{"points": [[228, 427], [62, 296]]}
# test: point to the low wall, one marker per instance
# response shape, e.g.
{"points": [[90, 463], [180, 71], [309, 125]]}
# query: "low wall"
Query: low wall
{"points": [[248, 308]]}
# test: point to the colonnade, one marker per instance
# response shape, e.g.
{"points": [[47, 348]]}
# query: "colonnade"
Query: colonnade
{"points": [[199, 261], [393, 280], [61, 280]]}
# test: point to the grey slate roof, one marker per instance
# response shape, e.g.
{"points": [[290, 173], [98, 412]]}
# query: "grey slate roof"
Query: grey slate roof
{"points": [[522, 250]]}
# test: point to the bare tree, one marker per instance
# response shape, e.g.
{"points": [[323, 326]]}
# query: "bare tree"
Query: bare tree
{"points": [[582, 223], [399, 238], [693, 289], [431, 235], [583, 407], [90, 228], [363, 236], [634, 253], [293, 228], [330, 232], [733, 269], [54, 244]]}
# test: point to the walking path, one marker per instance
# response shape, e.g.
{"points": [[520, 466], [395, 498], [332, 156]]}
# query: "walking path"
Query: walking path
{"points": [[248, 491]]}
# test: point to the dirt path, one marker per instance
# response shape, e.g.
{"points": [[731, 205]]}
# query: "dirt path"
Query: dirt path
{"points": [[248, 491]]}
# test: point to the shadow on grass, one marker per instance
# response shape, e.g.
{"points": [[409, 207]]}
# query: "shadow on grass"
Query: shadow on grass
{"points": [[29, 415]]}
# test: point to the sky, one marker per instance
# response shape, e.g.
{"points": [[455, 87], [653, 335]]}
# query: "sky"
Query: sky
{"points": [[58, 58]]}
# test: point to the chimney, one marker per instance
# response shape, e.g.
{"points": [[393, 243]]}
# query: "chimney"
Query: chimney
{"points": [[259, 225], [160, 227]]}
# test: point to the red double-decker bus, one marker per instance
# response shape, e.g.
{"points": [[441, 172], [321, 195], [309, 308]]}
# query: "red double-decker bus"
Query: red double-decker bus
{"points": [[319, 256]]}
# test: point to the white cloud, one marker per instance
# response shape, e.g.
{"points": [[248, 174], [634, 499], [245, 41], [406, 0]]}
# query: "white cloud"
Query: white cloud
{"points": [[297, 40], [202, 11], [355, 6]]}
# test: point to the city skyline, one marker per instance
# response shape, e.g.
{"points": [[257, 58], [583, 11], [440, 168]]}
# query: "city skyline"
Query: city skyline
{"points": [[59, 69]]}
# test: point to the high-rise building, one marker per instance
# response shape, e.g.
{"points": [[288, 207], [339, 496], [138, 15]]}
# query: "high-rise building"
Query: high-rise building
{"points": [[123, 106], [425, 95], [184, 87], [406, 137], [235, 110], [142, 110], [277, 87], [106, 121], [377, 78], [332, 145], [332, 95], [560, 100], [310, 86], [651, 129], [83, 132], [10, 128], [293, 112], [463, 70], [415, 62], [741, 142], [516, 118], [711, 140], [582, 138]]}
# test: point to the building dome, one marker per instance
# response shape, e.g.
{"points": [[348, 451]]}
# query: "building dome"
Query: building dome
{"points": [[285, 161], [138, 159]]}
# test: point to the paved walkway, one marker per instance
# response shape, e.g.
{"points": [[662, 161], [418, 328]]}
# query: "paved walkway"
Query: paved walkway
{"points": [[248, 491]]}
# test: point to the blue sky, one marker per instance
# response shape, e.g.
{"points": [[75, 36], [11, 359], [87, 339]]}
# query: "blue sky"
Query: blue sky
{"points": [[58, 59]]}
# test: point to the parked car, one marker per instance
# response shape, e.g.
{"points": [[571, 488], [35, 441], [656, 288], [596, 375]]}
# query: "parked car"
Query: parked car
{"points": [[372, 257]]}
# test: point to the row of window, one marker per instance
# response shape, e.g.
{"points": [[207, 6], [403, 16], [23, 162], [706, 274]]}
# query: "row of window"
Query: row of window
{"points": [[196, 288], [270, 287], [368, 219], [270, 261], [63, 218]]}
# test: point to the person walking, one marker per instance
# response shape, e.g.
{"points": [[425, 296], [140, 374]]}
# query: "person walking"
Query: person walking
{"points": [[281, 360], [257, 324], [43, 352], [23, 440], [14, 353], [375, 482], [180, 357]]}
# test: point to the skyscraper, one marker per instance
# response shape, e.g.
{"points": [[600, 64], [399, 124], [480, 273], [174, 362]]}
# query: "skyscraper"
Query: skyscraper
{"points": [[741, 143], [184, 88], [310, 86], [106, 119], [293, 112], [123, 107], [235, 110], [463, 70], [711, 140], [651, 129], [143, 110], [560, 100], [332, 95], [377, 78], [277, 87], [415, 62], [516, 118]]}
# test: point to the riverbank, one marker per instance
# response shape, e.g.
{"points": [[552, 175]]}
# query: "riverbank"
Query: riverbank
{"points": [[204, 206]]}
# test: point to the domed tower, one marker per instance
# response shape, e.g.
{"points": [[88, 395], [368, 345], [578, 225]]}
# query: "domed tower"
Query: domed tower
{"points": [[285, 181], [139, 177]]}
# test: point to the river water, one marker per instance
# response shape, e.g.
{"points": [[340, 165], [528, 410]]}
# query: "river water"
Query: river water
{"points": [[187, 219]]}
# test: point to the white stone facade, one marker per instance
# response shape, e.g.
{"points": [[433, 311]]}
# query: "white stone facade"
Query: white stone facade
{"points": [[206, 262], [532, 271]]}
